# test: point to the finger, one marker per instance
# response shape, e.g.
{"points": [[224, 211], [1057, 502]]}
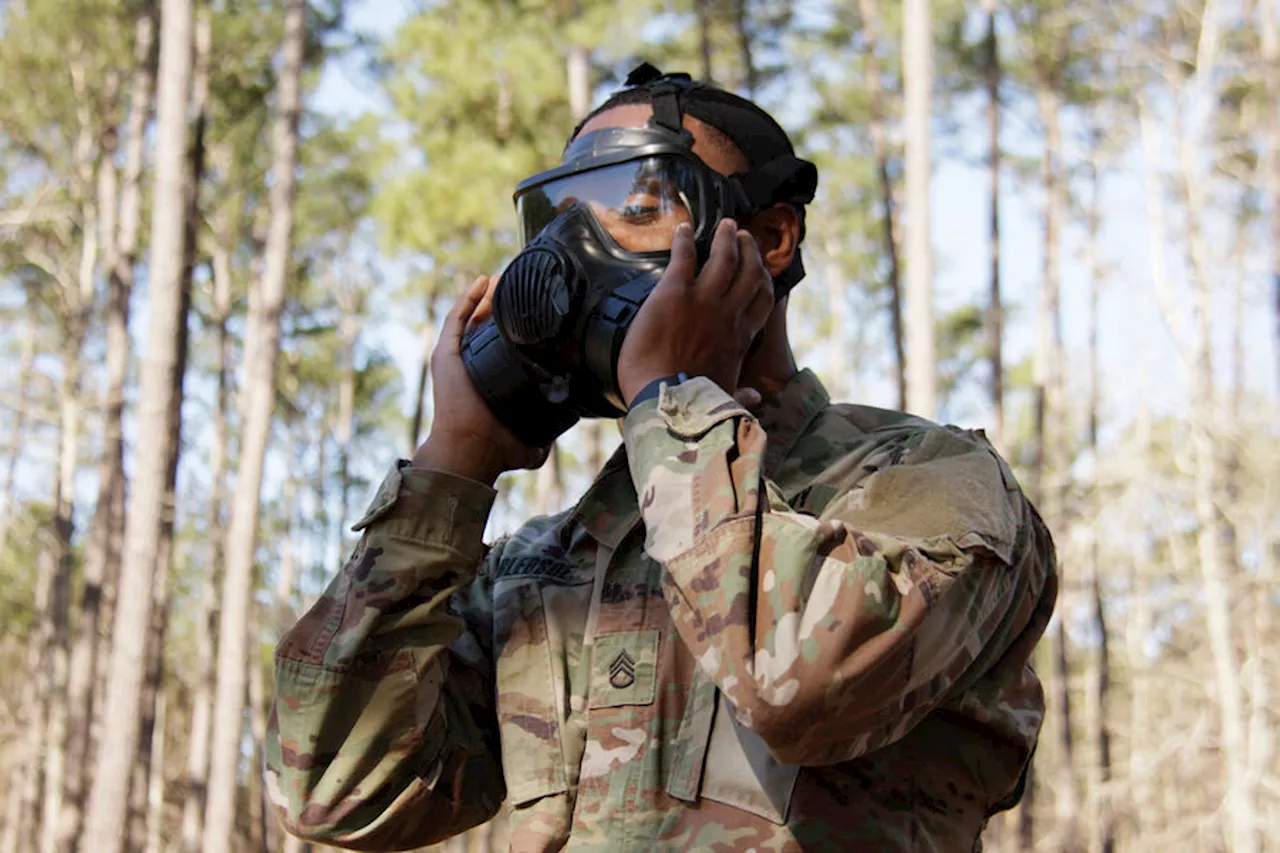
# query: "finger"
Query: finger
{"points": [[750, 265], [757, 284], [684, 258], [455, 324], [485, 309], [761, 306], [717, 276], [752, 285]]}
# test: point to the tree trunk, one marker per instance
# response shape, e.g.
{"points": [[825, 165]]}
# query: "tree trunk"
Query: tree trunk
{"points": [[258, 809], [284, 610], [18, 431], [1140, 624], [870, 10], [838, 312], [1262, 667], [922, 396], [47, 717], [103, 545], [49, 732], [160, 383], [150, 707], [55, 671], [284, 588], [549, 490], [703, 12], [1240, 812], [995, 304], [206, 626], [322, 504], [155, 776], [144, 787], [1102, 834], [102, 557], [259, 396], [1066, 786], [596, 445], [352, 307], [1217, 598], [20, 825], [1048, 333], [1271, 162], [1052, 448], [578, 72], [742, 32]]}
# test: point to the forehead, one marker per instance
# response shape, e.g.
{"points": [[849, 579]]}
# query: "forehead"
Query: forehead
{"points": [[710, 150]]}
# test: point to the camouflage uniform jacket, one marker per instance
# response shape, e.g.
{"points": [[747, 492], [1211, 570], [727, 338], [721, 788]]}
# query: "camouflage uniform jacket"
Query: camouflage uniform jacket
{"points": [[803, 630]]}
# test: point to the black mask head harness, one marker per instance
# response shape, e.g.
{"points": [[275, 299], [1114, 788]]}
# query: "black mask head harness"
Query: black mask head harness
{"points": [[598, 231]]}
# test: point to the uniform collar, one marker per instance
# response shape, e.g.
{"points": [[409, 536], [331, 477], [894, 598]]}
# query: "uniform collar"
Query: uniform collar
{"points": [[787, 415], [609, 510]]}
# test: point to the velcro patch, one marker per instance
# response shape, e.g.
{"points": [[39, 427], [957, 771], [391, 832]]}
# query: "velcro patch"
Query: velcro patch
{"points": [[624, 669]]}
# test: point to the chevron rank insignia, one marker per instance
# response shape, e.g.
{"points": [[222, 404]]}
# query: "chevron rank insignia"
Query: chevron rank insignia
{"points": [[622, 672]]}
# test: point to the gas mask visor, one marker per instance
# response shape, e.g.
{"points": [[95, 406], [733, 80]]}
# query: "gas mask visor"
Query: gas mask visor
{"points": [[638, 203], [638, 184]]}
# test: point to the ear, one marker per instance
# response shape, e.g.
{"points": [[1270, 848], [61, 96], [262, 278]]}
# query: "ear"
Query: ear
{"points": [[777, 233]]}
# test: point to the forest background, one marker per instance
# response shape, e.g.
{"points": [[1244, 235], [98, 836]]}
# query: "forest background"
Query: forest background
{"points": [[229, 230]]}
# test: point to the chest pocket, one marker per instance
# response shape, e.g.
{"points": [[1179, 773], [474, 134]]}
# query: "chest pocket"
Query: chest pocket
{"points": [[624, 669], [716, 758], [535, 642], [740, 772]]}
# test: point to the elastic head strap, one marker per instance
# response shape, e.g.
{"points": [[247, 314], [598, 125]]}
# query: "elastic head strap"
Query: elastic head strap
{"points": [[666, 107], [784, 179], [664, 95]]}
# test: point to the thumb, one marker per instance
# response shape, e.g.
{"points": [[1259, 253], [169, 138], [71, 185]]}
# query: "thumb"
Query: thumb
{"points": [[684, 257], [748, 398]]}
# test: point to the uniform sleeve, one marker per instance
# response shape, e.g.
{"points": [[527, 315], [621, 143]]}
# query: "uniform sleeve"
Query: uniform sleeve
{"points": [[832, 636], [383, 734]]}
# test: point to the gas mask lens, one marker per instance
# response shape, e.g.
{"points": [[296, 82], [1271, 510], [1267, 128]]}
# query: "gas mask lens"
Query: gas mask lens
{"points": [[638, 203]]}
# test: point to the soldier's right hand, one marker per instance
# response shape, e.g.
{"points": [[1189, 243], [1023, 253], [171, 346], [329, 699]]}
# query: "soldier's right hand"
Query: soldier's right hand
{"points": [[466, 438]]}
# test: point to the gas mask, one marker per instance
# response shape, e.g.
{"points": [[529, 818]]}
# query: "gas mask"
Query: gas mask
{"points": [[597, 233]]}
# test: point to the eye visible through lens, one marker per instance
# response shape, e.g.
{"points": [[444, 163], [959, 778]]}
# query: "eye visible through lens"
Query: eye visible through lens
{"points": [[643, 224]]}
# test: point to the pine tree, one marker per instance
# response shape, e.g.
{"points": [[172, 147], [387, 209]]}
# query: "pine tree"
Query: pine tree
{"points": [[161, 386], [258, 402]]}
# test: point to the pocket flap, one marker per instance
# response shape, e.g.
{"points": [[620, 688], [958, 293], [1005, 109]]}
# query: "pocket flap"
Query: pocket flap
{"points": [[741, 772]]}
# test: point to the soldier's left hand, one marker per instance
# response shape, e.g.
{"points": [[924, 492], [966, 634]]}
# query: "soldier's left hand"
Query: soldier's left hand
{"points": [[700, 325]]}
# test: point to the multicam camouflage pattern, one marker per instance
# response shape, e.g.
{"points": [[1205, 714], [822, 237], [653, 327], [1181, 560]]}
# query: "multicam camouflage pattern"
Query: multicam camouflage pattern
{"points": [[807, 629]]}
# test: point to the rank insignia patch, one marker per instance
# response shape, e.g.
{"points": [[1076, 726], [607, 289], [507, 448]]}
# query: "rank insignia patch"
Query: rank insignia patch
{"points": [[622, 672]]}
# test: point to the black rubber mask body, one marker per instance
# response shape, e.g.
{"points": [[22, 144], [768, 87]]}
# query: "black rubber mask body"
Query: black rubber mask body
{"points": [[548, 355]]}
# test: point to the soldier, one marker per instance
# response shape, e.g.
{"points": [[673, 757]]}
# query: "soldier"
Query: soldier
{"points": [[771, 622]]}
